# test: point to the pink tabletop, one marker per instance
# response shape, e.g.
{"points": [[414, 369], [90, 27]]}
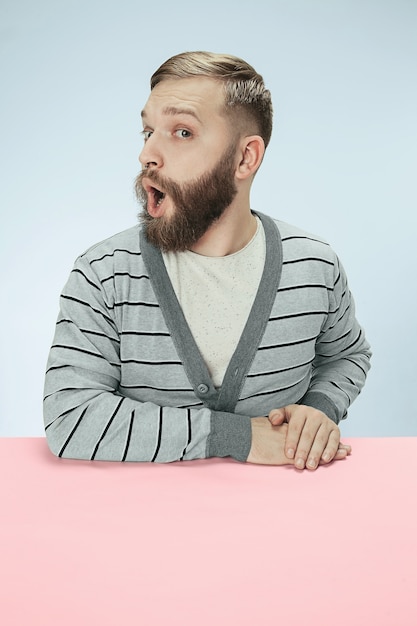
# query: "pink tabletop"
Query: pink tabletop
{"points": [[211, 542]]}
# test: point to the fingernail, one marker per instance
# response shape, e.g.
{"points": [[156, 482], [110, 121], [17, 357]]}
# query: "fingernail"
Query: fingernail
{"points": [[290, 453], [300, 463], [326, 456], [311, 463]]}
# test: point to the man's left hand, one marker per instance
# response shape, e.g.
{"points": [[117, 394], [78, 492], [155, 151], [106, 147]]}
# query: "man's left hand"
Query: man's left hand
{"points": [[312, 438]]}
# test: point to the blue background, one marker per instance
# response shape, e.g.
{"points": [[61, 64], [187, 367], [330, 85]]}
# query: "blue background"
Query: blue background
{"points": [[341, 164]]}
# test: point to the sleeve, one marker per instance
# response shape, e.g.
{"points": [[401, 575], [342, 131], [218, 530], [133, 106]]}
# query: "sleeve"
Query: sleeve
{"points": [[85, 415], [343, 354]]}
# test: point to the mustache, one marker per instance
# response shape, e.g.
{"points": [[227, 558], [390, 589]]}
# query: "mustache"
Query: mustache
{"points": [[166, 184]]}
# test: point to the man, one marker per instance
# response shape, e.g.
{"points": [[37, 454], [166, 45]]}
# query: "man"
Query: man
{"points": [[210, 329]]}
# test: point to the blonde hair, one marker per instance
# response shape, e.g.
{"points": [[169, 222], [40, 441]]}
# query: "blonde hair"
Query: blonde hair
{"points": [[244, 88]]}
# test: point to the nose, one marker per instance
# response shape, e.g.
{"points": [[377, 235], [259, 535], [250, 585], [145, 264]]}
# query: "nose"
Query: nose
{"points": [[150, 154]]}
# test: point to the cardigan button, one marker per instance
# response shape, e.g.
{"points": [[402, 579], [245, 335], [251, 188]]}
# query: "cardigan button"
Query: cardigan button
{"points": [[202, 388]]}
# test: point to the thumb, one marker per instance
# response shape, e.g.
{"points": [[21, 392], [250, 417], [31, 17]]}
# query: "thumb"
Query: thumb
{"points": [[277, 417]]}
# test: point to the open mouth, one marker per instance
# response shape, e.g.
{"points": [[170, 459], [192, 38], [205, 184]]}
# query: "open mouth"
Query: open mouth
{"points": [[156, 198]]}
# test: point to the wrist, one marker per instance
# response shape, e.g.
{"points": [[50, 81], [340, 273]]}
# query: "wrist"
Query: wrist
{"points": [[319, 401], [231, 435]]}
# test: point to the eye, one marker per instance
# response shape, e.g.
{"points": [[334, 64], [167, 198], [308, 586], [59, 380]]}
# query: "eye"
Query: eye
{"points": [[146, 134], [182, 133]]}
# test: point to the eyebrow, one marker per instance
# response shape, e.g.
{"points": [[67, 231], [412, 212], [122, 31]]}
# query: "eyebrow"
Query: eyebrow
{"points": [[173, 110]]}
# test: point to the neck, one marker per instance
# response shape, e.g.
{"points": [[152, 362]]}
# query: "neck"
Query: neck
{"points": [[229, 234]]}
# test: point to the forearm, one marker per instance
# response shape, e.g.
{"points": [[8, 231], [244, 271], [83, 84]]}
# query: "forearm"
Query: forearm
{"points": [[85, 414], [87, 418], [107, 426], [343, 355], [335, 384]]}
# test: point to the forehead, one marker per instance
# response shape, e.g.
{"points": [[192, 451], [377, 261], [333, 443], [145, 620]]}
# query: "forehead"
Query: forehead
{"points": [[198, 96]]}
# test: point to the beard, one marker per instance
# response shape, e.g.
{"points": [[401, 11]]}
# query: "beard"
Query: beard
{"points": [[198, 204]]}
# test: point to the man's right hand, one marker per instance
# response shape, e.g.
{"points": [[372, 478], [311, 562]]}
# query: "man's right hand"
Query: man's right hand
{"points": [[268, 443]]}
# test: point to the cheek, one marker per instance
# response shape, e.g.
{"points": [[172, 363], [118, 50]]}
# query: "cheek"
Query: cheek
{"points": [[186, 171], [189, 162]]}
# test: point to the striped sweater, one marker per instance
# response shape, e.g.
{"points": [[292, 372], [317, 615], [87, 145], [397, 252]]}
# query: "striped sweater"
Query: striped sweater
{"points": [[125, 380]]}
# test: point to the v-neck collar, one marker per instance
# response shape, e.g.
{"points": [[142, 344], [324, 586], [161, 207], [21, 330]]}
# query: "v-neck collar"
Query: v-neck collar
{"points": [[226, 397]]}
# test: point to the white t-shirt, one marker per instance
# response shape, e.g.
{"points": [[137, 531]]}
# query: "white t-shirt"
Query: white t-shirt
{"points": [[216, 295]]}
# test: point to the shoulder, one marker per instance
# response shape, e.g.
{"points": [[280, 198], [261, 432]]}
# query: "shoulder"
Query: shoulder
{"points": [[119, 254], [307, 258], [298, 243], [126, 241], [289, 232]]}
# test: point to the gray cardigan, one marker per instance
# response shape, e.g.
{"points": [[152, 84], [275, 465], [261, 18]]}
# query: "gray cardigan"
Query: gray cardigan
{"points": [[125, 380]]}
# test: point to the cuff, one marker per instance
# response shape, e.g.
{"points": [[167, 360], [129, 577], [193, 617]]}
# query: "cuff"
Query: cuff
{"points": [[231, 435], [321, 402]]}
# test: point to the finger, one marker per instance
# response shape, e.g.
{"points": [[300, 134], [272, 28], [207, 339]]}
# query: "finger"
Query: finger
{"points": [[294, 431], [340, 455], [319, 445], [345, 446], [333, 447], [305, 442], [277, 417]]}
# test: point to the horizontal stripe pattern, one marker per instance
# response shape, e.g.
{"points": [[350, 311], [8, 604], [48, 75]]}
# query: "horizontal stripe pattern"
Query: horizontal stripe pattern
{"points": [[116, 388]]}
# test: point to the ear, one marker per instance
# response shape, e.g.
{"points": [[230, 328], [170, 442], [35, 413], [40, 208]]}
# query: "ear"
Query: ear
{"points": [[252, 150]]}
